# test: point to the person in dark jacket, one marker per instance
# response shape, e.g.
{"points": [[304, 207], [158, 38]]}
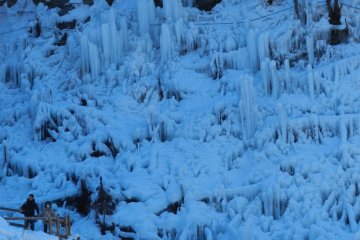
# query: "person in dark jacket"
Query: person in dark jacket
{"points": [[28, 209], [47, 212]]}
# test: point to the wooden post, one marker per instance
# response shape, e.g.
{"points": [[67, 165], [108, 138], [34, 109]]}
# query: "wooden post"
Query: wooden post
{"points": [[50, 225], [67, 226], [57, 226], [5, 156]]}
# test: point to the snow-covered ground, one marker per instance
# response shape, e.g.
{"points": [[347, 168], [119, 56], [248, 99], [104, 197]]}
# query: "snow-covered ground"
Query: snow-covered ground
{"points": [[239, 123], [12, 233]]}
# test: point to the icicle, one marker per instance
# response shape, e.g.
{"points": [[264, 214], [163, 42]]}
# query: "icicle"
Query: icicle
{"points": [[217, 65], [165, 44], [274, 201], [252, 50], [85, 64], [342, 128], [283, 123], [110, 41], [179, 31], [248, 108], [266, 75], [12, 73], [314, 121], [287, 76], [105, 30], [213, 45], [274, 80], [123, 38], [263, 46], [94, 60], [190, 38], [113, 36], [173, 9], [310, 49], [308, 15], [310, 82], [317, 82], [230, 43], [146, 15]]}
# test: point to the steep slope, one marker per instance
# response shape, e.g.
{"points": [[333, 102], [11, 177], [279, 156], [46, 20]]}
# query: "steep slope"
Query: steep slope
{"points": [[239, 123]]}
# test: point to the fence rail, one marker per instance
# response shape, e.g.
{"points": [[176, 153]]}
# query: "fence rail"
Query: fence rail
{"points": [[9, 209], [58, 221]]}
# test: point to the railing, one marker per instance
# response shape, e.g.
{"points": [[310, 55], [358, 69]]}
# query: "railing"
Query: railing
{"points": [[58, 221]]}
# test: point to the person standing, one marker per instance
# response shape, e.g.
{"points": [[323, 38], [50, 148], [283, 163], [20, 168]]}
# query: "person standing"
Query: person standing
{"points": [[28, 209], [47, 212]]}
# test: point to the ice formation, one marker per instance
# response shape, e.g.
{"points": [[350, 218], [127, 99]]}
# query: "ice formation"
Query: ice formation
{"points": [[287, 76], [94, 60], [283, 123], [173, 9], [275, 84], [252, 50], [248, 107], [111, 41], [310, 48], [168, 106], [263, 46], [311, 84], [85, 62], [266, 76], [145, 15], [166, 44]]}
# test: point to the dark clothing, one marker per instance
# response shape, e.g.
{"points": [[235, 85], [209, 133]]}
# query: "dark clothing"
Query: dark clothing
{"points": [[45, 228], [31, 223], [28, 209]]}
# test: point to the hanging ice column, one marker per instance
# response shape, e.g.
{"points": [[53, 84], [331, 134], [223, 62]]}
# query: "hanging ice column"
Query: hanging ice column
{"points": [[110, 40], [311, 82], [248, 107], [287, 76], [265, 72], [85, 63], [173, 9], [166, 51], [275, 86], [94, 60], [252, 50], [263, 46], [146, 15], [343, 132], [283, 123], [180, 36], [310, 49], [90, 61], [123, 36]]}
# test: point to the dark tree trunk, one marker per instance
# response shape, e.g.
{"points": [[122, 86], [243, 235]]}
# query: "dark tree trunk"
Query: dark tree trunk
{"points": [[337, 35], [334, 12]]}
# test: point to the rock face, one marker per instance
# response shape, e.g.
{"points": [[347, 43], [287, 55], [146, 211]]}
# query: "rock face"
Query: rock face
{"points": [[88, 2], [52, 3], [206, 5], [10, 3]]}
